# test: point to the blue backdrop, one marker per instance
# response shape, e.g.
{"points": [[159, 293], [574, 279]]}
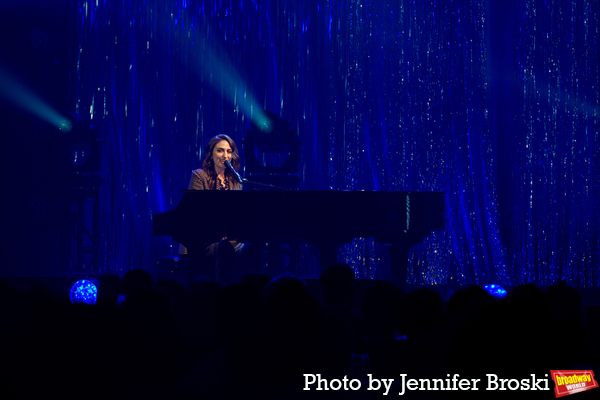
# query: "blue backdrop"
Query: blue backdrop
{"points": [[494, 102]]}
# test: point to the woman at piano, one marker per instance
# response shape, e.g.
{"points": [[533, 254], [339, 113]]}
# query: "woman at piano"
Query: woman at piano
{"points": [[214, 175], [219, 258]]}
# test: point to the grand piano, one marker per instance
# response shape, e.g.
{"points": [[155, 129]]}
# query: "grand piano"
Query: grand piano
{"points": [[327, 219]]}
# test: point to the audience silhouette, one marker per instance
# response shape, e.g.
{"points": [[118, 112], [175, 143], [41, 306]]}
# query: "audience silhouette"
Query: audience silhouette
{"points": [[257, 339]]}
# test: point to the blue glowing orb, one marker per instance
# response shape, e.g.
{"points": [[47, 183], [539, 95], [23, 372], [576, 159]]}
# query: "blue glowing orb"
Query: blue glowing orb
{"points": [[495, 290], [84, 291]]}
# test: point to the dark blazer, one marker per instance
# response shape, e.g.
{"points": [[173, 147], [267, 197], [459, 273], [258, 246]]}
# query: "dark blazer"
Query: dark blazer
{"points": [[201, 181]]}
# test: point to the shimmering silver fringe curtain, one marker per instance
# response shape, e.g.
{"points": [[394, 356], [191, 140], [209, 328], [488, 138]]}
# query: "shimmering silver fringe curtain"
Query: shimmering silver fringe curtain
{"points": [[397, 95]]}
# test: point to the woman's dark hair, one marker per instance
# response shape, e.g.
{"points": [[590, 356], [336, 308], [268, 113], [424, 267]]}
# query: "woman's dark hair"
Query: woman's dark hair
{"points": [[208, 164]]}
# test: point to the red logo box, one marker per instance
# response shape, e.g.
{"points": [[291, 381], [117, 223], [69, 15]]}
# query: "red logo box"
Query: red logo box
{"points": [[570, 382]]}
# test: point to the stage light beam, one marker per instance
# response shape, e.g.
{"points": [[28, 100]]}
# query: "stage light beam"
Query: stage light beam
{"points": [[16, 93], [222, 76]]}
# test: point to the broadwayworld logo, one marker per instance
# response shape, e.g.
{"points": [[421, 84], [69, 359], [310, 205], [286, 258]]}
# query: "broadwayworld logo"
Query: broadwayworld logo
{"points": [[570, 382]]}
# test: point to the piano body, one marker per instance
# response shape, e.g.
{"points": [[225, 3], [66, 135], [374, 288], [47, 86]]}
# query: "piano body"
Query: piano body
{"points": [[327, 219]]}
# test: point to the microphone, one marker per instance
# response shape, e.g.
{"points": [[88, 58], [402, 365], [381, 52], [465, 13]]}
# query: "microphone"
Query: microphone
{"points": [[233, 171]]}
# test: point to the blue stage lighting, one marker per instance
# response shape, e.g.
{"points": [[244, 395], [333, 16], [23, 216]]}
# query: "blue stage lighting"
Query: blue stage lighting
{"points": [[84, 291], [495, 290]]}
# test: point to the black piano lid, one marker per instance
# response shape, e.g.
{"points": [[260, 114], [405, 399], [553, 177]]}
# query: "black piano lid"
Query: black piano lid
{"points": [[308, 215]]}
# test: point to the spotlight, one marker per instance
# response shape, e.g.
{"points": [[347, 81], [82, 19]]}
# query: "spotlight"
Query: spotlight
{"points": [[272, 131], [76, 131], [272, 151], [65, 125], [84, 291], [76, 143], [269, 134], [495, 290], [262, 123]]}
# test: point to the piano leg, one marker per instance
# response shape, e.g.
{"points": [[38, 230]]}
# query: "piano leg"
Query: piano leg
{"points": [[222, 261], [201, 262], [399, 263]]}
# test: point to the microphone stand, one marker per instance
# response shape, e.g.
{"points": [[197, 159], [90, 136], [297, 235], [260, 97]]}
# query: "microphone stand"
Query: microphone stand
{"points": [[241, 180], [244, 181]]}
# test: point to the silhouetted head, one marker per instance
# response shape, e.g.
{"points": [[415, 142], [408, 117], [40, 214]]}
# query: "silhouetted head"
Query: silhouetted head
{"points": [[283, 288], [179, 296], [111, 285], [238, 307], [563, 300], [288, 302], [147, 307], [468, 301], [293, 328], [203, 297], [381, 305], [257, 279], [421, 312], [136, 279], [338, 284], [536, 298]]}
